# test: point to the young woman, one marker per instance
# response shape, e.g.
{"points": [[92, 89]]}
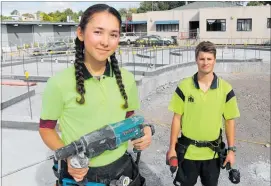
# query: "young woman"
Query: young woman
{"points": [[91, 94]]}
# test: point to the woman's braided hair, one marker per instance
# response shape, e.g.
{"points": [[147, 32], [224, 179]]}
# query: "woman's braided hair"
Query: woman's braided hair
{"points": [[116, 70], [79, 54]]}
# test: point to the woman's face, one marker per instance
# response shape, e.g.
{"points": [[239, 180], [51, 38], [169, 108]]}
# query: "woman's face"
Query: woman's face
{"points": [[101, 36]]}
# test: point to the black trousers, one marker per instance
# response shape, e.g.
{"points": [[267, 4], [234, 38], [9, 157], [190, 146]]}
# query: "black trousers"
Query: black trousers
{"points": [[189, 171], [124, 166]]}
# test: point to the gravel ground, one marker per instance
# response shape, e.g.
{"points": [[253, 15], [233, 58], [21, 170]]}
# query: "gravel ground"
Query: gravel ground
{"points": [[252, 158]]}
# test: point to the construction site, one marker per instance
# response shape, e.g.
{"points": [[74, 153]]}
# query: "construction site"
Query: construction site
{"points": [[157, 71]]}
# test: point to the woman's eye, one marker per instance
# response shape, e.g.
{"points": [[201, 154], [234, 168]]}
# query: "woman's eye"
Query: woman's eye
{"points": [[114, 35], [97, 32]]}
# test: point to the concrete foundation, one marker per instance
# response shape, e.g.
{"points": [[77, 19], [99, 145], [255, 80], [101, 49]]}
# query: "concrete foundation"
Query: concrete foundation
{"points": [[17, 99], [177, 72]]}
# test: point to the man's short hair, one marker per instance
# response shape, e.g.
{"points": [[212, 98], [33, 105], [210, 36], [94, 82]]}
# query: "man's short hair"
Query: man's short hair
{"points": [[205, 46]]}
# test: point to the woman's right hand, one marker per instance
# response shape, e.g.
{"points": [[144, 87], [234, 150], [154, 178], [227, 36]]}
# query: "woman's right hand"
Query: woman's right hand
{"points": [[77, 174]]}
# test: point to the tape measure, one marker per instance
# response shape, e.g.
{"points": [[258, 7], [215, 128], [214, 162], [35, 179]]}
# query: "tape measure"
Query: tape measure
{"points": [[124, 181]]}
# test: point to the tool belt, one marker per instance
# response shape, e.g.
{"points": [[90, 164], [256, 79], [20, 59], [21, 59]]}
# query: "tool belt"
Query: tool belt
{"points": [[105, 174], [184, 142], [182, 145]]}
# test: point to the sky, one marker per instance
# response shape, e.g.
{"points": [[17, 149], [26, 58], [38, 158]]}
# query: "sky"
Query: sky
{"points": [[32, 7]]}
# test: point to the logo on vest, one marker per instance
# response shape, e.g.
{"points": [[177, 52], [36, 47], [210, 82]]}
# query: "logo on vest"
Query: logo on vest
{"points": [[191, 99]]}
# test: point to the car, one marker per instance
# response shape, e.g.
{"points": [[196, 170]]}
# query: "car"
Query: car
{"points": [[267, 43], [128, 38], [54, 47], [151, 41], [168, 40]]}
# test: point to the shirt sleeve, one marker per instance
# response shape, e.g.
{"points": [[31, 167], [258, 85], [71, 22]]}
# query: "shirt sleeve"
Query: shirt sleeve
{"points": [[133, 98], [231, 109], [176, 104], [52, 101]]}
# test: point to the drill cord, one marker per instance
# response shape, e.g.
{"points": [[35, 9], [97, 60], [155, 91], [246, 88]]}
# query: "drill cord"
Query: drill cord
{"points": [[49, 158], [137, 158]]}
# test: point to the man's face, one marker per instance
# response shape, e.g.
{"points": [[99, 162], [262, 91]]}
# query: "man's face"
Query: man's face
{"points": [[206, 62]]}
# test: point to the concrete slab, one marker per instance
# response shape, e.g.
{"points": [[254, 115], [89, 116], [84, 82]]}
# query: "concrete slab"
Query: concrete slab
{"points": [[21, 110], [15, 94], [35, 69], [20, 149]]}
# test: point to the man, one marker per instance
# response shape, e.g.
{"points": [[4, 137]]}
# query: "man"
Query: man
{"points": [[199, 103]]}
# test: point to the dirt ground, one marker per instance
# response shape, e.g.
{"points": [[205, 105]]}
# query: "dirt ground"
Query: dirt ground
{"points": [[252, 132]]}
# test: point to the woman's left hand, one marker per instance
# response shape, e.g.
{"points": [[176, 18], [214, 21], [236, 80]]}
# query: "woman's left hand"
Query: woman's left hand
{"points": [[145, 141]]}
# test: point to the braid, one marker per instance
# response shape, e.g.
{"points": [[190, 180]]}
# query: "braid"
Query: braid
{"points": [[79, 60], [116, 70]]}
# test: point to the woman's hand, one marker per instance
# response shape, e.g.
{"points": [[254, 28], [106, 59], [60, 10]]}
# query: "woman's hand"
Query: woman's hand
{"points": [[145, 141], [77, 174]]}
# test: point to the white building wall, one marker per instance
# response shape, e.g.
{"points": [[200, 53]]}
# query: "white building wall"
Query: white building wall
{"points": [[259, 15], [4, 41]]}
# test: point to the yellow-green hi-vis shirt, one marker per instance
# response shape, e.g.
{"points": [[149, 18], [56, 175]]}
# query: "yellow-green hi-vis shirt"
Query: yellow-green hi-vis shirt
{"points": [[203, 113], [103, 106]]}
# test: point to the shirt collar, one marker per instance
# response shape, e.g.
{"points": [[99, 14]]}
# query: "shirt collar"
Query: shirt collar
{"points": [[214, 84], [87, 74]]}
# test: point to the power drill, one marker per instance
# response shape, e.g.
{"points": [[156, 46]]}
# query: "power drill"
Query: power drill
{"points": [[234, 174], [95, 143], [109, 137], [173, 163]]}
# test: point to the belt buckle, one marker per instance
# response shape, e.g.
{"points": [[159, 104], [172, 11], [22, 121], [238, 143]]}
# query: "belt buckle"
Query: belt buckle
{"points": [[196, 142]]}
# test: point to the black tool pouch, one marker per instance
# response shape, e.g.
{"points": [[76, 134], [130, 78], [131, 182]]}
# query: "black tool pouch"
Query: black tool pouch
{"points": [[138, 180], [180, 150], [180, 177], [222, 154]]}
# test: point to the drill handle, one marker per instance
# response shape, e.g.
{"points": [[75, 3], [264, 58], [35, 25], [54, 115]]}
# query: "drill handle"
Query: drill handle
{"points": [[141, 134], [172, 161], [79, 161], [228, 166]]}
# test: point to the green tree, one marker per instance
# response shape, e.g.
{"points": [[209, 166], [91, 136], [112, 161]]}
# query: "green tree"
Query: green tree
{"points": [[46, 17], [146, 6], [80, 13], [127, 13], [3, 18], [15, 12], [258, 3], [123, 12], [132, 10], [254, 3], [176, 4]]}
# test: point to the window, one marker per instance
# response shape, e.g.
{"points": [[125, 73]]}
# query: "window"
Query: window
{"points": [[244, 24], [268, 22], [167, 28], [216, 25], [130, 34]]}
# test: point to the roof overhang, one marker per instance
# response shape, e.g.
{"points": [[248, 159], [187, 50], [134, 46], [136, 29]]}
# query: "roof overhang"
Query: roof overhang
{"points": [[166, 22]]}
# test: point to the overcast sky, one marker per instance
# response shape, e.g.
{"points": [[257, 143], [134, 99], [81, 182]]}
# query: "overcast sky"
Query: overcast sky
{"points": [[32, 7]]}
